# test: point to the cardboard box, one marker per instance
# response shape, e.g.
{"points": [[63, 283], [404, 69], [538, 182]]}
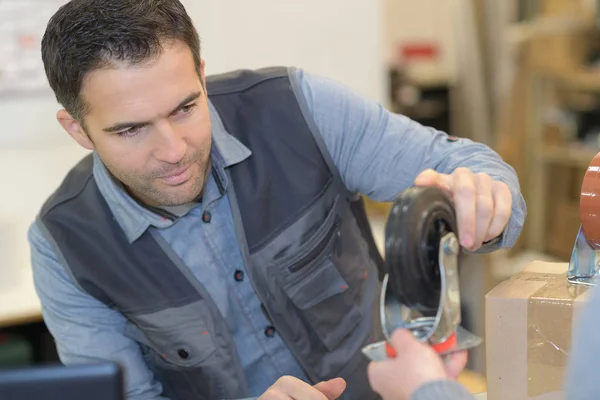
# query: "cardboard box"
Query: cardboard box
{"points": [[529, 320]]}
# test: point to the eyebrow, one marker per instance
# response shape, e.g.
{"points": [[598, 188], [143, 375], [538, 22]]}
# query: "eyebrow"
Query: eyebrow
{"points": [[125, 125]]}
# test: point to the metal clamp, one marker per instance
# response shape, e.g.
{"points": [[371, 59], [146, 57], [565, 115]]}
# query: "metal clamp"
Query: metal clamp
{"points": [[433, 329], [584, 266]]}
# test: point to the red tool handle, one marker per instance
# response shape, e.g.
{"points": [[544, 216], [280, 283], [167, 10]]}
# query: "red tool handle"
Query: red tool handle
{"points": [[438, 347], [389, 350], [447, 345]]}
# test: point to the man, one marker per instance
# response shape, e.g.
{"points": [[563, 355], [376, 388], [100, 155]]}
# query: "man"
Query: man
{"points": [[214, 243]]}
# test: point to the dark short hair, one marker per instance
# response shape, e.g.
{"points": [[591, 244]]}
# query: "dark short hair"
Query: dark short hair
{"points": [[86, 35]]}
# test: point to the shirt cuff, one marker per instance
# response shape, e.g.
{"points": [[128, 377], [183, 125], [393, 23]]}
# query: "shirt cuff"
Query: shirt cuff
{"points": [[489, 246]]}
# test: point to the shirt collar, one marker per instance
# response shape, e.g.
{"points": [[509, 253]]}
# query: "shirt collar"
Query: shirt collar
{"points": [[230, 150], [134, 218]]}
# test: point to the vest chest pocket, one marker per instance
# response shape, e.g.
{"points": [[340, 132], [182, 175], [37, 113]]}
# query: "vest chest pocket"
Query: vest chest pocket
{"points": [[180, 354], [315, 286]]}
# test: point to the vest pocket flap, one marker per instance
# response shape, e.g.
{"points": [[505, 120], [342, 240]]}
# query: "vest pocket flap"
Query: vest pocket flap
{"points": [[184, 344], [324, 282], [323, 298], [306, 238], [185, 352]]}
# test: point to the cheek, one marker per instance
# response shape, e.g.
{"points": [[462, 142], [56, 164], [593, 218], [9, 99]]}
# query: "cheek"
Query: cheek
{"points": [[199, 129], [202, 137], [118, 148], [123, 162]]}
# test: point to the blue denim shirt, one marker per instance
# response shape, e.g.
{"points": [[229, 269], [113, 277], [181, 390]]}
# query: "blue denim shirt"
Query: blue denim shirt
{"points": [[377, 153]]}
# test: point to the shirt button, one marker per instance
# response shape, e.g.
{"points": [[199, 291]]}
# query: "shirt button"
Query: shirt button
{"points": [[270, 331], [183, 353], [206, 217], [238, 276]]}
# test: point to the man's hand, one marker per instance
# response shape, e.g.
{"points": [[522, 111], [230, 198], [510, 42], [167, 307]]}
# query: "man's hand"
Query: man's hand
{"points": [[415, 364], [290, 388], [483, 205]]}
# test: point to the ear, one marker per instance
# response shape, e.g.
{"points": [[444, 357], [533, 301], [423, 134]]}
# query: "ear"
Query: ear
{"points": [[202, 71], [74, 129]]}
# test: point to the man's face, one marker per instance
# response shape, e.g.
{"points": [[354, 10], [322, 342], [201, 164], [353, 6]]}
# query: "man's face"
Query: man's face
{"points": [[150, 125]]}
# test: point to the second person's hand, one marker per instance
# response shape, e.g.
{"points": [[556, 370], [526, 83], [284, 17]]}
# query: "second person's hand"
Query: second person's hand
{"points": [[415, 365], [290, 388]]}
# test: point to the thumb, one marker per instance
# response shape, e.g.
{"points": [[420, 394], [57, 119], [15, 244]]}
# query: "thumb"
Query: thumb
{"points": [[455, 363], [403, 339], [332, 389]]}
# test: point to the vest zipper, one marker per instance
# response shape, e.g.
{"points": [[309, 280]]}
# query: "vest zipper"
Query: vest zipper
{"points": [[296, 266]]}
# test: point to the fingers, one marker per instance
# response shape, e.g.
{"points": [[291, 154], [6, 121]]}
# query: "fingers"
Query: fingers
{"points": [[415, 364], [274, 394], [403, 339], [485, 207], [290, 388], [502, 209], [429, 177], [408, 346], [405, 342], [332, 389], [465, 200], [295, 389], [379, 377], [455, 363]]}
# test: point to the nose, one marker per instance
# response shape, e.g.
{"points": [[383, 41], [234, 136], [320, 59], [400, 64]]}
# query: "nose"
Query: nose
{"points": [[171, 145]]}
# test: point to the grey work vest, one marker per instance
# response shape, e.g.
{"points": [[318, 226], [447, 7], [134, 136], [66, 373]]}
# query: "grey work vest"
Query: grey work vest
{"points": [[305, 241]]}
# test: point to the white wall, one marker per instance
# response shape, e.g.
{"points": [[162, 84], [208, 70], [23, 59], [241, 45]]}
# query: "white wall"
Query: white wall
{"points": [[341, 39], [310, 34]]}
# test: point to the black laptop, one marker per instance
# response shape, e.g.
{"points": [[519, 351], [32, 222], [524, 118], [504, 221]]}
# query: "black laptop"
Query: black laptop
{"points": [[78, 382]]}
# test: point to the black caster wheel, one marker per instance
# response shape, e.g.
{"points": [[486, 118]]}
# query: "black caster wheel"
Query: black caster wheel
{"points": [[419, 218]]}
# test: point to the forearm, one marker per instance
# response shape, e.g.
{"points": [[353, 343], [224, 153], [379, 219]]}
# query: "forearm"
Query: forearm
{"points": [[84, 329], [379, 153]]}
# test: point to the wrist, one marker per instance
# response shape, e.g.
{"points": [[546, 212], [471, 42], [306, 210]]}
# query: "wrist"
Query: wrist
{"points": [[441, 389]]}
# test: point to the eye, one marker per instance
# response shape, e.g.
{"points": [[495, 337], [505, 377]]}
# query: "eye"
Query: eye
{"points": [[134, 130], [187, 108]]}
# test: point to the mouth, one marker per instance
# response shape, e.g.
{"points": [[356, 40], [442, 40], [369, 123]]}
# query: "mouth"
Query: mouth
{"points": [[178, 176]]}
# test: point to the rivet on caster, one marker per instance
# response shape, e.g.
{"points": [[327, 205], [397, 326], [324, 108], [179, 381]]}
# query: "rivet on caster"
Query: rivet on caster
{"points": [[420, 288]]}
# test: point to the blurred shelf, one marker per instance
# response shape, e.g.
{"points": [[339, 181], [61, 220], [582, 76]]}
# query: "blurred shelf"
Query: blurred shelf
{"points": [[558, 45], [585, 80], [569, 156], [548, 25], [427, 78]]}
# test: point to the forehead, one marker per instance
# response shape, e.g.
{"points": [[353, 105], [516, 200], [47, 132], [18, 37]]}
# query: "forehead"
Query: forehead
{"points": [[146, 90]]}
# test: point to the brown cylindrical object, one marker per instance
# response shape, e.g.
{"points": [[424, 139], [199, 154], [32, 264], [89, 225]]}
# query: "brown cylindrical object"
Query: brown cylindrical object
{"points": [[589, 203]]}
